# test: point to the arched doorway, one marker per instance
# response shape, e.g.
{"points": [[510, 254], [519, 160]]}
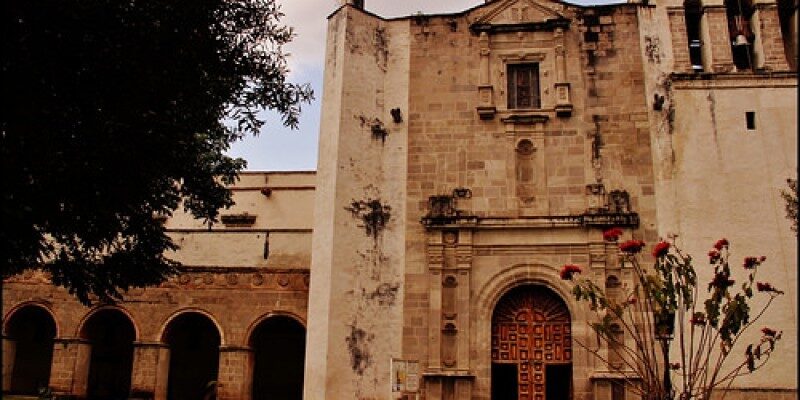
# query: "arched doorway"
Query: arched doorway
{"points": [[279, 345], [110, 334], [531, 346], [30, 330], [193, 341]]}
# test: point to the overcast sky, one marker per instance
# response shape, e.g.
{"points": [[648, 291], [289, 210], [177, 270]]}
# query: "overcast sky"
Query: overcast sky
{"points": [[280, 149]]}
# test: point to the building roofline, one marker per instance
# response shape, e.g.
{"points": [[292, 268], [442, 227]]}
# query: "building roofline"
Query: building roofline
{"points": [[469, 10]]}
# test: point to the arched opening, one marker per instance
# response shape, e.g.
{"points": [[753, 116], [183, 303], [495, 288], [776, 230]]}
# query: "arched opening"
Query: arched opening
{"points": [[110, 334], [693, 18], [29, 334], [193, 341], [742, 37], [787, 14], [279, 345], [531, 346]]}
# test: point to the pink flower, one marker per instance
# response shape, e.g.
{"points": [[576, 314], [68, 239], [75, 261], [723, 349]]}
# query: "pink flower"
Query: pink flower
{"points": [[721, 243], [568, 270], [768, 332], [661, 249], [632, 246], [611, 235]]}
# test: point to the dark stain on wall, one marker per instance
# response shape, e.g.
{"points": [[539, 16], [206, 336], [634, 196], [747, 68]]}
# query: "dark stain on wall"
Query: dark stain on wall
{"points": [[357, 345]]}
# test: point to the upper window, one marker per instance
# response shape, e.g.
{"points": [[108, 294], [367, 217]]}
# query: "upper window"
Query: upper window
{"points": [[523, 86]]}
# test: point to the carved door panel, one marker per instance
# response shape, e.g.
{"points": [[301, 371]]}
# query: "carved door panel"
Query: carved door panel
{"points": [[531, 328]]}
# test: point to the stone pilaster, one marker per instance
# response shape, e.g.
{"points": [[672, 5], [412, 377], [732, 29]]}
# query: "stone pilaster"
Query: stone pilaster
{"points": [[150, 370], [680, 40], [9, 351], [69, 373], [769, 48], [716, 39], [235, 373]]}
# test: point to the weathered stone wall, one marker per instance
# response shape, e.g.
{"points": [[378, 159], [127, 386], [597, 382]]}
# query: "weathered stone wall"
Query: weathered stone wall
{"points": [[714, 177], [606, 137], [358, 246]]}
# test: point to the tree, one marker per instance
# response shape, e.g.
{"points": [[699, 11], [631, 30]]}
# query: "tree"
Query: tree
{"points": [[666, 303], [115, 114]]}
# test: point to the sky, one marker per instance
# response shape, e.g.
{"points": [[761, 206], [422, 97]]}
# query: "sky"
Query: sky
{"points": [[278, 148]]}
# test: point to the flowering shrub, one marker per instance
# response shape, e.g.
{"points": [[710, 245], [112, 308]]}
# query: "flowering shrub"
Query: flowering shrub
{"points": [[670, 306], [632, 246], [568, 270]]}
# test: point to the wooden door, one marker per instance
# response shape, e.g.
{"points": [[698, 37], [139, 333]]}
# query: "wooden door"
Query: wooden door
{"points": [[531, 329]]}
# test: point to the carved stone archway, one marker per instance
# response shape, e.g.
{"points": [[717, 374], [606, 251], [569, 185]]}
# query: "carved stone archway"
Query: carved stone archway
{"points": [[531, 347]]}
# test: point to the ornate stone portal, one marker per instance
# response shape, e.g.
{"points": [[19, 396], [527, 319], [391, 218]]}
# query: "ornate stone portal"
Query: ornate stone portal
{"points": [[531, 333]]}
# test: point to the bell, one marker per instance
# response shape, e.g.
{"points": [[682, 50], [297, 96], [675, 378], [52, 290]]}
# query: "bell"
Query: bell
{"points": [[740, 40]]}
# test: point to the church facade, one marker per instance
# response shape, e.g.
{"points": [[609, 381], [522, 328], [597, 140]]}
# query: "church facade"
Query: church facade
{"points": [[464, 159]]}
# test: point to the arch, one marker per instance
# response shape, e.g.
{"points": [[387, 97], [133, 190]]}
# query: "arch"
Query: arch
{"points": [[531, 346], [110, 332], [518, 275], [29, 331], [278, 363], [194, 339], [271, 314], [41, 304], [82, 324], [501, 282], [162, 332]]}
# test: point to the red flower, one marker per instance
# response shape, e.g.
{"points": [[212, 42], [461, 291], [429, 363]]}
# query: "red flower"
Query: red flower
{"points": [[713, 256], [632, 300], [721, 243], [568, 270], [698, 319], [752, 262], [768, 332], [762, 259], [632, 246], [611, 235], [661, 249]]}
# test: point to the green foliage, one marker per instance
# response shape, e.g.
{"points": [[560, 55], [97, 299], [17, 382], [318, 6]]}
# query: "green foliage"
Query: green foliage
{"points": [[113, 115]]}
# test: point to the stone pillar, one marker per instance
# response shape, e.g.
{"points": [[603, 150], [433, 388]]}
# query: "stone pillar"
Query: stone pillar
{"points": [[9, 351], [716, 38], [69, 373], [486, 107], [680, 40], [150, 370], [435, 264], [769, 49], [235, 373]]}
